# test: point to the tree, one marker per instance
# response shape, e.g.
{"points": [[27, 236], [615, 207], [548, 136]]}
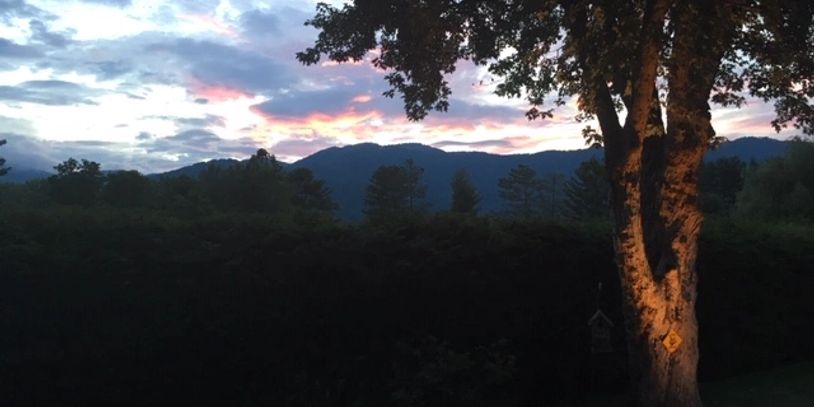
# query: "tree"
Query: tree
{"points": [[309, 192], [125, 189], [465, 197], [781, 188], [395, 192], [76, 182], [587, 192], [551, 191], [520, 190], [256, 185], [3, 169], [719, 183], [633, 57]]}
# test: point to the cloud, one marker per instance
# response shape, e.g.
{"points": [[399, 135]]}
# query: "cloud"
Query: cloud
{"points": [[10, 9], [9, 49], [301, 146], [23, 151], [196, 145], [224, 65], [49, 92], [259, 23], [40, 33], [112, 3], [331, 101], [208, 120]]}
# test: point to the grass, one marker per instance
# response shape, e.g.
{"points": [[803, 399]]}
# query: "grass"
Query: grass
{"points": [[787, 386]]}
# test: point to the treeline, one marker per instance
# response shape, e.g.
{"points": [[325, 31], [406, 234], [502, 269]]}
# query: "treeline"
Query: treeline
{"points": [[777, 189], [258, 185]]}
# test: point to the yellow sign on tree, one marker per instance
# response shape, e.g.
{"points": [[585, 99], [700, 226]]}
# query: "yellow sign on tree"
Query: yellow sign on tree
{"points": [[672, 341]]}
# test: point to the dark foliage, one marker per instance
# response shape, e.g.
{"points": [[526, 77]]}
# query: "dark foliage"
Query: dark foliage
{"points": [[465, 198]]}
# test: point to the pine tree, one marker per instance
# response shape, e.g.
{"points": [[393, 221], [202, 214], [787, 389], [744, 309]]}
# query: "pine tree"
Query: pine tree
{"points": [[465, 197], [395, 192], [520, 190], [587, 193]]}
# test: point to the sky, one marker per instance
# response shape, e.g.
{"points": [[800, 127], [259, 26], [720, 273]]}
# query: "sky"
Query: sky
{"points": [[154, 85]]}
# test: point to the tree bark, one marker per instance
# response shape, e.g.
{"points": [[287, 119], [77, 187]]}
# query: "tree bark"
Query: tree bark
{"points": [[657, 222]]}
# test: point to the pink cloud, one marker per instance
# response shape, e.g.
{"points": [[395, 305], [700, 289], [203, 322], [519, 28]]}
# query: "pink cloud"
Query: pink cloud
{"points": [[214, 92]]}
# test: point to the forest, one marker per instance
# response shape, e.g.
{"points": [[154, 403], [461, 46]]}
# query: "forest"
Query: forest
{"points": [[243, 287]]}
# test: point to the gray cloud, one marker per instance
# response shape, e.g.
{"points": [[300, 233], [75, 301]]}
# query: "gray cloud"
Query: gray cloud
{"points": [[206, 121], [112, 3], [196, 145], [224, 65], [40, 33], [260, 23], [19, 8], [209, 120], [301, 146], [50, 92], [27, 152], [9, 49], [329, 101]]}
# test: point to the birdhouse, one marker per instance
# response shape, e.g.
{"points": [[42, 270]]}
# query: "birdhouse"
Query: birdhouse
{"points": [[601, 327]]}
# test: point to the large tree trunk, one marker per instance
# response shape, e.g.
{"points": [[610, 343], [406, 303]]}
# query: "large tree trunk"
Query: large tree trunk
{"points": [[654, 197]]}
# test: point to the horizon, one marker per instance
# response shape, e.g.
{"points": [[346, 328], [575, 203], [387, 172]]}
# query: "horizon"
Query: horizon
{"points": [[155, 85]]}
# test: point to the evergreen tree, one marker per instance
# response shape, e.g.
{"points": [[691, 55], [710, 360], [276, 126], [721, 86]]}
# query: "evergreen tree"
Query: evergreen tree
{"points": [[3, 169], [465, 197], [416, 191], [520, 191], [309, 192], [551, 195], [587, 192], [395, 192]]}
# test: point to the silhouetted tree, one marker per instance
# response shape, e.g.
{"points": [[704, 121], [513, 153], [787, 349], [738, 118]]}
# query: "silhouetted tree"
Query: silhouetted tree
{"points": [[719, 183], [395, 191], [520, 191], [609, 55], [416, 191], [587, 192], [551, 194], [309, 192], [465, 197], [3, 169], [76, 183], [125, 189], [183, 195]]}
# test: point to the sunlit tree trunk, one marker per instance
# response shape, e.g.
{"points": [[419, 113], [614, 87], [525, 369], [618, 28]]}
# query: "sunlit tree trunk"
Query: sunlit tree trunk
{"points": [[653, 172]]}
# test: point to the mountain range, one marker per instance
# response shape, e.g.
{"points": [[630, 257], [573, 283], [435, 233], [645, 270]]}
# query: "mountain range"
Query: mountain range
{"points": [[347, 170]]}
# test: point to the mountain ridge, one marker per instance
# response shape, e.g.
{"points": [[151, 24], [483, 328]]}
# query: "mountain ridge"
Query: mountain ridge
{"points": [[347, 169]]}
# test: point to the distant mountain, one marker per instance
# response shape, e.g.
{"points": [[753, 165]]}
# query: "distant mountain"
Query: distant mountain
{"points": [[347, 170], [748, 148], [196, 169], [23, 175]]}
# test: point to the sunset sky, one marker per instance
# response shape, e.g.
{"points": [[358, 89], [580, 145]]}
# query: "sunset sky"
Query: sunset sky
{"points": [[155, 85]]}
